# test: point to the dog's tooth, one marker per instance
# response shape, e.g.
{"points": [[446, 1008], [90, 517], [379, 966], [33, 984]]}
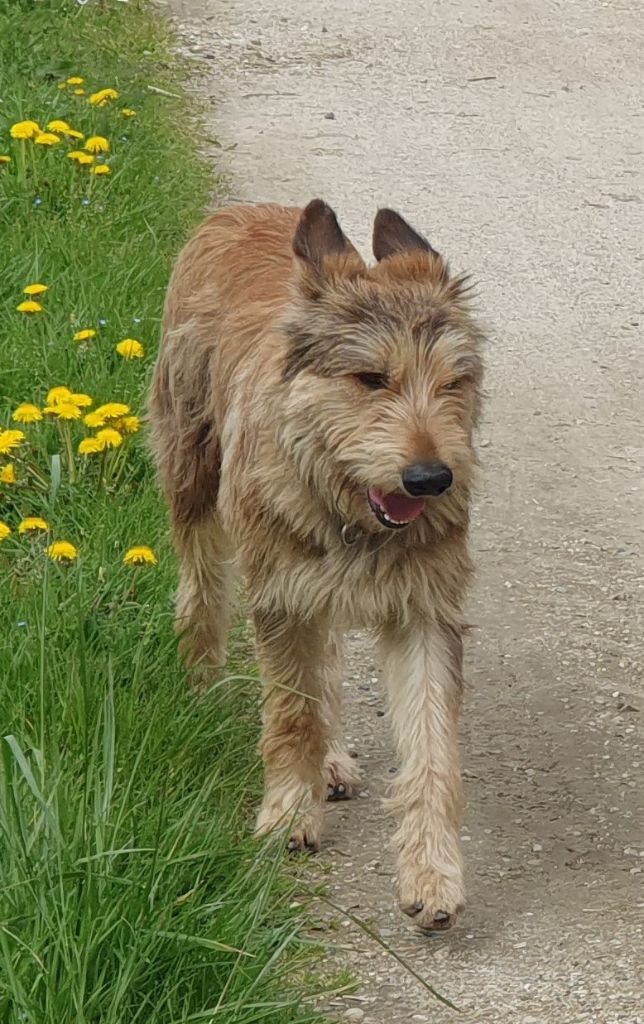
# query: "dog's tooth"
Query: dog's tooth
{"points": [[394, 522]]}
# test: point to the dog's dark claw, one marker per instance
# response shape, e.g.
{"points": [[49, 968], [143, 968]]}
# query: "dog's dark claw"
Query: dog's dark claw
{"points": [[338, 792], [414, 908], [442, 921], [304, 845]]}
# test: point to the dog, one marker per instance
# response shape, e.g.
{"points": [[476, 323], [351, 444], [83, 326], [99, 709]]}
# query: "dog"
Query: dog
{"points": [[312, 423]]}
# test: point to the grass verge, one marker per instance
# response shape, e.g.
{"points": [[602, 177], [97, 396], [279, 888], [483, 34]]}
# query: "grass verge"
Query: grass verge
{"points": [[130, 890]]}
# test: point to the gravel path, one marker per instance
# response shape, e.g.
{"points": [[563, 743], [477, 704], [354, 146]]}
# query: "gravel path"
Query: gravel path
{"points": [[512, 135]]}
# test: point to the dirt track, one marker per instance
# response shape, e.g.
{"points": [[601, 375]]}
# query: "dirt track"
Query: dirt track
{"points": [[512, 135]]}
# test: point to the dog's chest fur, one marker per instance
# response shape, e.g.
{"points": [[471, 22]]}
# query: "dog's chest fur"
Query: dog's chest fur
{"points": [[372, 580]]}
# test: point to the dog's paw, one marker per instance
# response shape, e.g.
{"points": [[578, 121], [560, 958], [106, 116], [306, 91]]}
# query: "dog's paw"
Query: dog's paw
{"points": [[431, 899], [305, 836], [343, 776], [202, 678], [204, 671], [304, 830]]}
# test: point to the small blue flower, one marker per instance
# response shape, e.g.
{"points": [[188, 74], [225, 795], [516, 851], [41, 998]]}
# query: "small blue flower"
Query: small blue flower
{"points": [[102, 323], [38, 201], [85, 201], [22, 624], [136, 319]]}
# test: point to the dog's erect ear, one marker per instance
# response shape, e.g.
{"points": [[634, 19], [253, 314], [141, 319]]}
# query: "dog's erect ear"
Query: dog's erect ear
{"points": [[392, 235], [318, 235]]}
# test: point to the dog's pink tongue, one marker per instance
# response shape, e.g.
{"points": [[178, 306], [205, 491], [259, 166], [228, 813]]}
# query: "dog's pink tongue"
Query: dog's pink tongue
{"points": [[399, 507]]}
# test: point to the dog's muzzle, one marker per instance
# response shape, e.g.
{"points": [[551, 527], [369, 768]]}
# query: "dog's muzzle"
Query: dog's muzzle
{"points": [[394, 510], [422, 480]]}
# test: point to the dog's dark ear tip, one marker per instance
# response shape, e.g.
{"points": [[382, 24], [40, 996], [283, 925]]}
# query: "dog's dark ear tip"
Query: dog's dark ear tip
{"points": [[318, 234], [392, 234], [316, 207], [384, 214]]}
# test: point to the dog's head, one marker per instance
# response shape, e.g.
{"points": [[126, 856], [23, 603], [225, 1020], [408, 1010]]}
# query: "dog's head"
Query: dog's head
{"points": [[383, 372]]}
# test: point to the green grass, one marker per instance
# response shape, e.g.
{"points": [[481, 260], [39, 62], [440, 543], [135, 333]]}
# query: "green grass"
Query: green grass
{"points": [[130, 887]]}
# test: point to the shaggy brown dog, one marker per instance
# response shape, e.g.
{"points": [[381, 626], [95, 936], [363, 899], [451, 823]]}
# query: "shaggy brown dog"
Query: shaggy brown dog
{"points": [[312, 421]]}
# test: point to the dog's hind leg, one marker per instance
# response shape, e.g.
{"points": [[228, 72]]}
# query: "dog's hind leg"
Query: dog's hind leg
{"points": [[295, 736], [342, 773], [188, 457], [204, 597]]}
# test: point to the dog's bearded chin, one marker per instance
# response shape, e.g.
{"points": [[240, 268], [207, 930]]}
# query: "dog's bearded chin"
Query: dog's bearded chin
{"points": [[394, 510]]}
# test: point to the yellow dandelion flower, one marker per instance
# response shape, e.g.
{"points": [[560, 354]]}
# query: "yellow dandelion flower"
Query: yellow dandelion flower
{"points": [[90, 446], [47, 139], [58, 126], [85, 335], [62, 551], [80, 157], [128, 112], [4, 531], [129, 424], [33, 524], [79, 92], [58, 394], [129, 348], [101, 169], [81, 400], [63, 410], [62, 85], [74, 80], [139, 555], [35, 289], [97, 144], [10, 439], [109, 438], [109, 411], [29, 306], [103, 96], [4, 159], [72, 133], [94, 419], [27, 413], [8, 474], [24, 130]]}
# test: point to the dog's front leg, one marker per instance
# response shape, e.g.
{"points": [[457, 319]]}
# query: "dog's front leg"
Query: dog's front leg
{"points": [[423, 667], [342, 773], [295, 735]]}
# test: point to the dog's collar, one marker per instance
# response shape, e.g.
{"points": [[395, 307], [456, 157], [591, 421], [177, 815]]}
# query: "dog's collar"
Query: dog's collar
{"points": [[350, 534]]}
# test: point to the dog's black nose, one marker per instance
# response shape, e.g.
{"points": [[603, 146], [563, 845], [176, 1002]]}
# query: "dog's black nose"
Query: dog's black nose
{"points": [[427, 478]]}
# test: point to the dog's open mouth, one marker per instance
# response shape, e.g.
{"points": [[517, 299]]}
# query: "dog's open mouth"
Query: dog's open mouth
{"points": [[394, 510]]}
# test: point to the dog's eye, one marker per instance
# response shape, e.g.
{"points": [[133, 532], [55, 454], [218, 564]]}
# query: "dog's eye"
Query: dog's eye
{"points": [[373, 381], [452, 385]]}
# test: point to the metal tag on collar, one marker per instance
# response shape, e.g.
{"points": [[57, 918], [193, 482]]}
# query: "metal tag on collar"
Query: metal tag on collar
{"points": [[349, 534]]}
